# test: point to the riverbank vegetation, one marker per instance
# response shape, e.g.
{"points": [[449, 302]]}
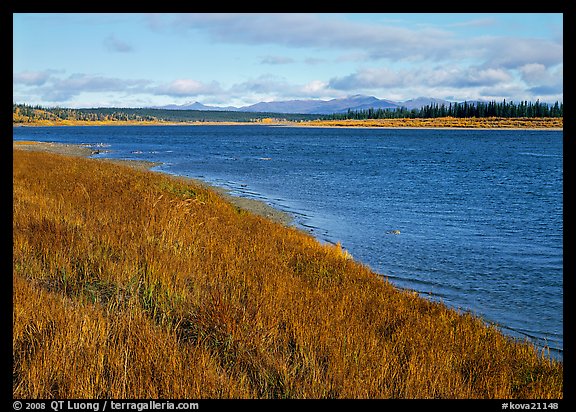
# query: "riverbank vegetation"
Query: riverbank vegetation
{"points": [[470, 115], [447, 122], [134, 284], [55, 116]]}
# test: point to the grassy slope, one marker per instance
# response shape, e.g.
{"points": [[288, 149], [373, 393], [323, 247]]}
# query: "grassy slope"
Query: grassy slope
{"points": [[132, 284]]}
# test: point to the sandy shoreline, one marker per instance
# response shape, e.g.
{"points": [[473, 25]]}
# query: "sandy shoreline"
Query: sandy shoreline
{"points": [[255, 206]]}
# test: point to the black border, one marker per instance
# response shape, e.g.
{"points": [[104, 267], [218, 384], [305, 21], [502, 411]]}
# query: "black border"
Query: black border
{"points": [[381, 7]]}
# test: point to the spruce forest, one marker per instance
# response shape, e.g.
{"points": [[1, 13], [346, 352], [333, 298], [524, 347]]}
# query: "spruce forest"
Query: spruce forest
{"points": [[460, 110]]}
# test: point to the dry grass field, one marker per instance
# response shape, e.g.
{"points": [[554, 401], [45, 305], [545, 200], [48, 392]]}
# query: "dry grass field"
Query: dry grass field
{"points": [[449, 122], [437, 122], [134, 284]]}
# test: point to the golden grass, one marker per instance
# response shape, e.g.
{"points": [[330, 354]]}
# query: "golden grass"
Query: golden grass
{"points": [[449, 122], [439, 122], [133, 284], [61, 122]]}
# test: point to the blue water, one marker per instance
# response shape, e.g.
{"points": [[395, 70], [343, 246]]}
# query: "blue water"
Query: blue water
{"points": [[480, 212]]}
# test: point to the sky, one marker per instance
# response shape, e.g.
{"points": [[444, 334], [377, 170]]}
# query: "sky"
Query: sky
{"points": [[143, 60]]}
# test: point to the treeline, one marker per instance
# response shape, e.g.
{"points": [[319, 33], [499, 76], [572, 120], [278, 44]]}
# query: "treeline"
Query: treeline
{"points": [[460, 110], [33, 113], [23, 113]]}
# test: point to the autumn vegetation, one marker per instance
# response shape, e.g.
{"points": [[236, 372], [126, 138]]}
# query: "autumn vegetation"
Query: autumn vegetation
{"points": [[27, 115], [448, 122], [492, 115], [134, 284]]}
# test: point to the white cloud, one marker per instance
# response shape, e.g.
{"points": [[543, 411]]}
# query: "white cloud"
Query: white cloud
{"points": [[337, 55], [511, 52], [467, 83], [533, 72], [471, 77], [545, 83], [381, 40], [57, 89], [314, 87], [270, 87], [316, 31], [187, 88], [439, 76], [538, 74]]}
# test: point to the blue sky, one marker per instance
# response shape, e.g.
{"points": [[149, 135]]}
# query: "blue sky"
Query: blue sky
{"points": [[139, 60]]}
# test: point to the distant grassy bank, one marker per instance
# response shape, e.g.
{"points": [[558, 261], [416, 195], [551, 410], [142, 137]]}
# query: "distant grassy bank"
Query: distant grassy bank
{"points": [[134, 284], [448, 122], [60, 122], [439, 122]]}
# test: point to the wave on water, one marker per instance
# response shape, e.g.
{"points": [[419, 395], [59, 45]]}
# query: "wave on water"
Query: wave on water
{"points": [[95, 145], [538, 154]]}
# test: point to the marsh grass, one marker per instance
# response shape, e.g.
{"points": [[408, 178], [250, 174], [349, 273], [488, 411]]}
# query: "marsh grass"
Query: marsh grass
{"points": [[133, 284], [448, 122]]}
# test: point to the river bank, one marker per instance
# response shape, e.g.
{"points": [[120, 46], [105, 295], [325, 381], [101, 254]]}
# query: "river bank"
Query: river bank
{"points": [[254, 206], [444, 123], [488, 123]]}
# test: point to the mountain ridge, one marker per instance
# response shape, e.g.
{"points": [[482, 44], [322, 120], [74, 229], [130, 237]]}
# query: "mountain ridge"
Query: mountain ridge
{"points": [[315, 106]]}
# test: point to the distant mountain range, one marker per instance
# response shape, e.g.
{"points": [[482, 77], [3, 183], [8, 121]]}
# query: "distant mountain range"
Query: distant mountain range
{"points": [[313, 106]]}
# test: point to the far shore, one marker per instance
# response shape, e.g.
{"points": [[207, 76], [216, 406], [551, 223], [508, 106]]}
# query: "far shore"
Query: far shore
{"points": [[443, 123], [552, 129], [254, 206]]}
